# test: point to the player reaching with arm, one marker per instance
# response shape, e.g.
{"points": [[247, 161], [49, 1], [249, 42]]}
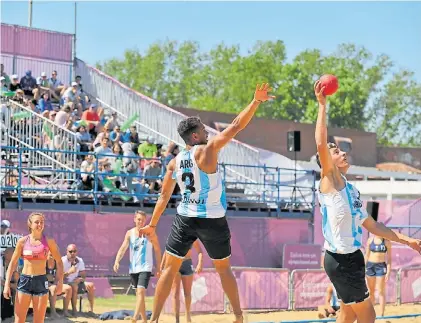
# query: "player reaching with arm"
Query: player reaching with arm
{"points": [[343, 217], [201, 212]]}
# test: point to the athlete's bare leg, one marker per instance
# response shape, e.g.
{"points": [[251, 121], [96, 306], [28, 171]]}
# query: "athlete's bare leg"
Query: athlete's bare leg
{"points": [[164, 285], [229, 285], [187, 288]]}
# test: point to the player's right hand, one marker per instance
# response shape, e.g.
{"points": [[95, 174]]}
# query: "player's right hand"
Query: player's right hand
{"points": [[147, 230], [7, 292], [116, 266], [261, 93]]}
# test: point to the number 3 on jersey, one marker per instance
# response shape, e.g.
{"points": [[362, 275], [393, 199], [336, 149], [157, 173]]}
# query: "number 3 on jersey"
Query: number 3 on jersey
{"points": [[188, 180]]}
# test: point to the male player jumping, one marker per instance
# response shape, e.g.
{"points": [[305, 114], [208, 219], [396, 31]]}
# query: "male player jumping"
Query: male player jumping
{"points": [[201, 212]]}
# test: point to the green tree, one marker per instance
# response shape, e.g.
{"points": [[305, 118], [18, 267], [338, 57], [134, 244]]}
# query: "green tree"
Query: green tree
{"points": [[222, 79]]}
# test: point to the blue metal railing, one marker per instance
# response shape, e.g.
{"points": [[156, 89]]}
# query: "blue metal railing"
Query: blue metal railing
{"points": [[279, 188]]}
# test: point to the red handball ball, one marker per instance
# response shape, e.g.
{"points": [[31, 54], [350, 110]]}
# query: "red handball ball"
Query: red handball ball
{"points": [[330, 82]]}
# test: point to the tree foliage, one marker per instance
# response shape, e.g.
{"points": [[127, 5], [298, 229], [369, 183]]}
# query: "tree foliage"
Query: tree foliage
{"points": [[223, 79]]}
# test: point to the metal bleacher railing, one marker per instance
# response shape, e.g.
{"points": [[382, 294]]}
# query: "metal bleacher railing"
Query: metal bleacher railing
{"points": [[115, 183], [22, 127]]}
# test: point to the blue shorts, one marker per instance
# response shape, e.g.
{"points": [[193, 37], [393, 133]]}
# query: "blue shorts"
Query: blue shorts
{"points": [[376, 269], [33, 285], [186, 268]]}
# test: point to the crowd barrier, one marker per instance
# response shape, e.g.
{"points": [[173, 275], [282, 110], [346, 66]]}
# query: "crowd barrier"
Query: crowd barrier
{"points": [[264, 289]]}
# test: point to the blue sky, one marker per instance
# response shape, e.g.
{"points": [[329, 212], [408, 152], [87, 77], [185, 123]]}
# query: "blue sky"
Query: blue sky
{"points": [[106, 29]]}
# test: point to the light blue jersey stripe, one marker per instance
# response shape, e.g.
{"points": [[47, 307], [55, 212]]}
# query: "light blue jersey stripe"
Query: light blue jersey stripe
{"points": [[143, 252], [355, 230], [203, 196], [327, 232], [223, 197]]}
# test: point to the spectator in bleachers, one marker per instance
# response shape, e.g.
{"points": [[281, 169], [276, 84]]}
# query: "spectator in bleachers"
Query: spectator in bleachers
{"points": [[3, 74], [51, 270], [104, 149], [14, 85], [75, 275], [84, 139], [19, 96], [133, 138], [91, 116], [42, 85], [32, 104], [28, 84], [148, 149], [117, 153], [84, 99], [57, 88], [70, 96], [63, 115], [112, 122], [131, 168], [44, 104], [104, 134], [171, 153], [87, 173], [116, 136], [150, 174]]}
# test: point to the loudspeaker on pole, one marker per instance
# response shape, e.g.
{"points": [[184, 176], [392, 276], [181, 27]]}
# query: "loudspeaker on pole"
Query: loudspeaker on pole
{"points": [[294, 140]]}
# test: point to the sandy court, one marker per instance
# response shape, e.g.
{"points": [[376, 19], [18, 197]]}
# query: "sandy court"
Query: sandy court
{"points": [[254, 318]]}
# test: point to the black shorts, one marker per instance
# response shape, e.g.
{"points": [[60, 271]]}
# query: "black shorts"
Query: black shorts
{"points": [[33, 285], [141, 280], [214, 234], [186, 268], [376, 269], [347, 274]]}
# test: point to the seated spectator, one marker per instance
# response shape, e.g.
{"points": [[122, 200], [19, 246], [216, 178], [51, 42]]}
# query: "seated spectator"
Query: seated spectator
{"points": [[104, 134], [63, 115], [44, 103], [112, 122], [51, 270], [32, 104], [104, 149], [70, 96], [87, 173], [133, 138], [150, 174], [117, 152], [19, 96], [14, 85], [84, 139], [171, 153], [42, 85], [75, 276], [147, 150], [84, 99], [130, 167], [28, 84], [116, 136], [57, 88], [3, 74], [331, 306], [92, 118]]}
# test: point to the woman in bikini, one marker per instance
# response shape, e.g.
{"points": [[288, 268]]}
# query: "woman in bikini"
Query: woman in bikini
{"points": [[33, 283], [377, 268]]}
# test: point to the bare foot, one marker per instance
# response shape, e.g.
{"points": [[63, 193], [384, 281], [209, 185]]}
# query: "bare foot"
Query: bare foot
{"points": [[239, 319], [188, 318], [54, 315], [67, 314]]}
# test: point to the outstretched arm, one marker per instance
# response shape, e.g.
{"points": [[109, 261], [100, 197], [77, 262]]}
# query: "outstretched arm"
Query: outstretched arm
{"points": [[321, 130], [379, 229], [217, 142]]}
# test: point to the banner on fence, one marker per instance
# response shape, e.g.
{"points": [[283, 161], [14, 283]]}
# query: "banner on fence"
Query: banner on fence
{"points": [[207, 294], [263, 288], [302, 256]]}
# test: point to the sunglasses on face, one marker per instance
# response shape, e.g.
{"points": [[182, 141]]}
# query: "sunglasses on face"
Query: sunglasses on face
{"points": [[71, 251]]}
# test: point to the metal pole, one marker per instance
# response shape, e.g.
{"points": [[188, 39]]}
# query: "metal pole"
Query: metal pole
{"points": [[74, 37], [30, 14]]}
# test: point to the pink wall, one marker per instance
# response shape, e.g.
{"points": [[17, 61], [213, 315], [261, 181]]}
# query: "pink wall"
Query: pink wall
{"points": [[256, 242], [36, 43]]}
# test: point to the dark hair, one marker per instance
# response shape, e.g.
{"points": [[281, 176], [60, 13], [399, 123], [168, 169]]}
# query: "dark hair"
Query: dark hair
{"points": [[187, 127], [34, 102], [78, 77], [329, 145]]}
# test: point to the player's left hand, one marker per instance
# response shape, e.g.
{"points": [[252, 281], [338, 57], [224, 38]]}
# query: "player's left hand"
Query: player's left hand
{"points": [[261, 93], [415, 244], [199, 268], [147, 230]]}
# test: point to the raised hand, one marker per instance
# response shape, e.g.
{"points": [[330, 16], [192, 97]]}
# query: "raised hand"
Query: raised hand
{"points": [[261, 93], [318, 90]]}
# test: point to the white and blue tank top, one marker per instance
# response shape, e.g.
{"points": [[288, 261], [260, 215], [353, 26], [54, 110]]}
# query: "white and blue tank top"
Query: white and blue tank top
{"points": [[342, 217], [202, 194], [141, 257]]}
